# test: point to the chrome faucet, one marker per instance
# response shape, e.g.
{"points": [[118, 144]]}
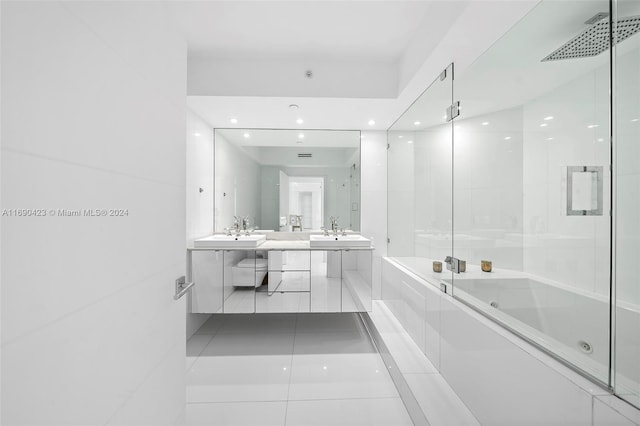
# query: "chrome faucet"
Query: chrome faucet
{"points": [[455, 265], [334, 224], [245, 223]]}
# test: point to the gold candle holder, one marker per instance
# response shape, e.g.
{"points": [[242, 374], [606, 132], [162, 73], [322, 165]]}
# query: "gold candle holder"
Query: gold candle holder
{"points": [[437, 266], [485, 265]]}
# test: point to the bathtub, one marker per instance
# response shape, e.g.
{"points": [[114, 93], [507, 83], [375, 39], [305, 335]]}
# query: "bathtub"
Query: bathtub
{"points": [[572, 325]]}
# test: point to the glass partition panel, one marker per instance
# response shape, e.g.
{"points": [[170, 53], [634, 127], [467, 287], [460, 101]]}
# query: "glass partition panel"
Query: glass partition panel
{"points": [[627, 167], [419, 183], [535, 111]]}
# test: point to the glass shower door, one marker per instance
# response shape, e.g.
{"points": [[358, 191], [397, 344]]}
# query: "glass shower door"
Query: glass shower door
{"points": [[420, 183], [532, 183]]}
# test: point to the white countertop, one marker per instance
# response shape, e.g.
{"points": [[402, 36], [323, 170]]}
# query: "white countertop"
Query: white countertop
{"points": [[282, 245]]}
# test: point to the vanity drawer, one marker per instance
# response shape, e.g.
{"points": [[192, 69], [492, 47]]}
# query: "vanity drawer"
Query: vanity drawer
{"points": [[289, 281], [289, 260]]}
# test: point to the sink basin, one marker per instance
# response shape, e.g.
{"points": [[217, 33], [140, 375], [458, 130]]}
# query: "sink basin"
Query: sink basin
{"points": [[346, 241], [220, 241]]}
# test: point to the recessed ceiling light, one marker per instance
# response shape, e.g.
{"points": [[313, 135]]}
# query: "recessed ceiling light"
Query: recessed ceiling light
{"points": [[416, 123], [196, 134], [294, 106], [635, 119], [301, 136], [549, 118], [247, 135], [549, 139], [371, 122], [507, 138], [600, 140], [400, 136], [409, 141], [299, 121], [234, 121], [544, 125], [485, 123], [444, 117], [592, 126]]}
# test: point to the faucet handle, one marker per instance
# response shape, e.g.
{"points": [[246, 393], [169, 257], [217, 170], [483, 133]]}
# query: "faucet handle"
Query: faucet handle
{"points": [[228, 230]]}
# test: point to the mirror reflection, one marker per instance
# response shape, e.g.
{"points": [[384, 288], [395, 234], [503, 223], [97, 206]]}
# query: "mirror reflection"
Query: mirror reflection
{"points": [[287, 180]]}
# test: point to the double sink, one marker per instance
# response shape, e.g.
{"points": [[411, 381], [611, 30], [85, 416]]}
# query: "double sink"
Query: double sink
{"points": [[221, 241]]}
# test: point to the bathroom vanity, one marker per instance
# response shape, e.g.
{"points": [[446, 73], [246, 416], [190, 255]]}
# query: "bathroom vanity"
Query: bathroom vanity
{"points": [[317, 274]]}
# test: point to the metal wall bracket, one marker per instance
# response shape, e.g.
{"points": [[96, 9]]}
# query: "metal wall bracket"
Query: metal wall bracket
{"points": [[182, 287], [453, 111]]}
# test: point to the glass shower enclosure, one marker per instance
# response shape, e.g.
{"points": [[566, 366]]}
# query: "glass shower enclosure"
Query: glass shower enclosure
{"points": [[527, 191]]}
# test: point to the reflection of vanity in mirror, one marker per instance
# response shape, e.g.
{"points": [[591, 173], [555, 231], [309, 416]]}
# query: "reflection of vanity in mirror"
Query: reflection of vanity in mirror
{"points": [[287, 180], [287, 221]]}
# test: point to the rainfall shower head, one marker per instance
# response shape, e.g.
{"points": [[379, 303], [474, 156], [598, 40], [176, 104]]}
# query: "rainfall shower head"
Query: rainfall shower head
{"points": [[595, 39]]}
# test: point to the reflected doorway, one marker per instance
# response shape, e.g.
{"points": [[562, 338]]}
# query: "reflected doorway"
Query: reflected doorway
{"points": [[301, 202]]}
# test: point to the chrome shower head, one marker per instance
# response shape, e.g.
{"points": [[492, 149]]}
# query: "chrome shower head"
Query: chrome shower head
{"points": [[595, 39]]}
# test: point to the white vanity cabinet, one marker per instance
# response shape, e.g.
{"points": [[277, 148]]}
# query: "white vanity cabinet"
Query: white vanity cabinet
{"points": [[288, 288], [326, 281], [278, 280], [356, 280], [206, 268]]}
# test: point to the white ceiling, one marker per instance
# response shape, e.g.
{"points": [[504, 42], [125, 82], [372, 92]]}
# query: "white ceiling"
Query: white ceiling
{"points": [[376, 56], [274, 112], [351, 30], [291, 138]]}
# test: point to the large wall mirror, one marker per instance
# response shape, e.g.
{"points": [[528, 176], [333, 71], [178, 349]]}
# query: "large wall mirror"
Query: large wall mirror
{"points": [[287, 180]]}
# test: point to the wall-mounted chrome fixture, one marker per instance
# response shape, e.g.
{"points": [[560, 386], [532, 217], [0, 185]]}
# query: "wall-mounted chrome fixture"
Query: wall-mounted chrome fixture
{"points": [[182, 287], [594, 39], [584, 190]]}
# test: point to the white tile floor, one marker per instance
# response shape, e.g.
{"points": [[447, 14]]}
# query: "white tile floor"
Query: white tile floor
{"points": [[288, 369]]}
